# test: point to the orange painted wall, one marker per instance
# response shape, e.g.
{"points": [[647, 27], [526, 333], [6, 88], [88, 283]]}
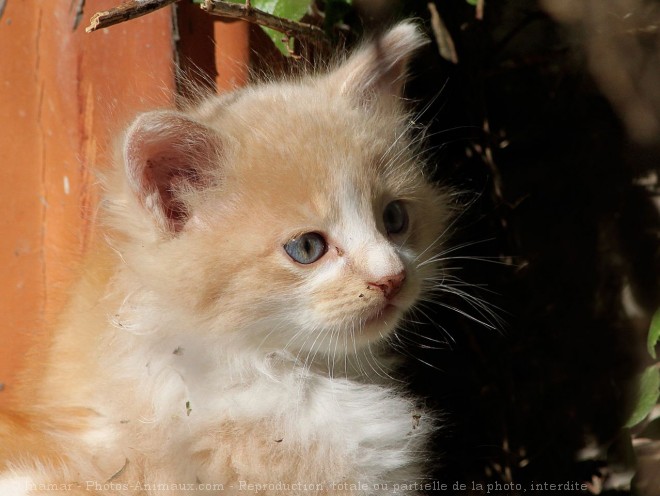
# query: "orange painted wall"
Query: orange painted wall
{"points": [[64, 95]]}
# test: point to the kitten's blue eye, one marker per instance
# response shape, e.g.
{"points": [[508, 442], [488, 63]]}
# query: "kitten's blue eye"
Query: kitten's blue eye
{"points": [[395, 217], [306, 248]]}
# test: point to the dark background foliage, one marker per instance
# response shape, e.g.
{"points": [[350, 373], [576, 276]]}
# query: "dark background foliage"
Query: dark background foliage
{"points": [[555, 226]]}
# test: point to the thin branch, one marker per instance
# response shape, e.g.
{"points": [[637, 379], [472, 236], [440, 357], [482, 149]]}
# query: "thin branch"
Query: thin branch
{"points": [[125, 12], [291, 29]]}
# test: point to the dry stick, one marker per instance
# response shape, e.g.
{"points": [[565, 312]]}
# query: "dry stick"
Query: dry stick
{"points": [[125, 12], [136, 8], [442, 36], [291, 29], [480, 10]]}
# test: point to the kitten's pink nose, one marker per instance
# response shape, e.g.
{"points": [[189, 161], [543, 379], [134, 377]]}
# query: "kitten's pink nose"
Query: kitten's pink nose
{"points": [[389, 285]]}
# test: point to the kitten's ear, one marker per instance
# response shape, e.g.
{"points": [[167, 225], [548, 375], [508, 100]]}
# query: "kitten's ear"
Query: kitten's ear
{"points": [[163, 152], [379, 68]]}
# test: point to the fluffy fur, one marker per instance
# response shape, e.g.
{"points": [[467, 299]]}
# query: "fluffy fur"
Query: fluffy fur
{"points": [[196, 353]]}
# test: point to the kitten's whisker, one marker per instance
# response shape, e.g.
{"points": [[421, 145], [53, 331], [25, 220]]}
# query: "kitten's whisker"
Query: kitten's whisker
{"points": [[418, 308], [470, 298], [383, 372], [319, 334], [404, 351], [420, 113], [274, 329], [355, 350], [334, 353], [447, 229], [301, 349], [345, 334], [484, 320], [408, 341], [322, 342], [438, 256], [454, 281], [476, 258]]}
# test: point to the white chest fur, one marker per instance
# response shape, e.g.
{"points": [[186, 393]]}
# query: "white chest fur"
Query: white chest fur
{"points": [[271, 425]]}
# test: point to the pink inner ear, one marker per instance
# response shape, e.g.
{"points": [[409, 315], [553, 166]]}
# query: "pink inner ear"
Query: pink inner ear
{"points": [[163, 150], [164, 173]]}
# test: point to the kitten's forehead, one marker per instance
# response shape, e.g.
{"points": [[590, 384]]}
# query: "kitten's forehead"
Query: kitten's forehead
{"points": [[300, 139], [307, 154]]}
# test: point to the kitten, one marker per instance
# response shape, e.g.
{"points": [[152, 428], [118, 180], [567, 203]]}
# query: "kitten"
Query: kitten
{"points": [[231, 336]]}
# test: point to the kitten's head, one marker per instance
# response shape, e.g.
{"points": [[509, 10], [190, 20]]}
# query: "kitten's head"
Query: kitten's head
{"points": [[289, 215]]}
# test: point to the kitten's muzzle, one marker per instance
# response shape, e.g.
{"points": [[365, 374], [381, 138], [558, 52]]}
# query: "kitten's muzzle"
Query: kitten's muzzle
{"points": [[389, 285]]}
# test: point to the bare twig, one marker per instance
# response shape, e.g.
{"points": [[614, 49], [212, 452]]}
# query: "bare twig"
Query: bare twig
{"points": [[125, 12], [291, 29], [3, 4], [131, 9]]}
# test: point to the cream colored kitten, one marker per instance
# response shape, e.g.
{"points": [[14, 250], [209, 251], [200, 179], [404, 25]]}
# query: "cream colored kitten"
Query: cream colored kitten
{"points": [[262, 248]]}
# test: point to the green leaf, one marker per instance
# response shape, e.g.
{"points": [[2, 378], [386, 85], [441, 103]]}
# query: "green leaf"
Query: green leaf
{"points": [[472, 2], [277, 38], [647, 396], [654, 334], [288, 9], [291, 9]]}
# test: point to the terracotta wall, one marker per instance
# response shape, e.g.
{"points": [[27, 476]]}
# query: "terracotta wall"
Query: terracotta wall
{"points": [[63, 95]]}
